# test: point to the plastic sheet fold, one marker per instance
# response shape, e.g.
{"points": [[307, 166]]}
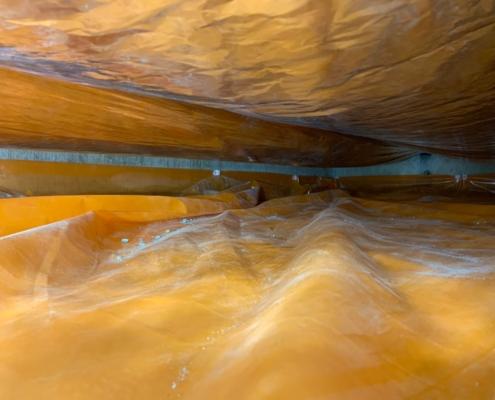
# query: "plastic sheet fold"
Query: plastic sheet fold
{"points": [[41, 113], [305, 297], [410, 73], [23, 213], [31, 178], [426, 188], [382, 288]]}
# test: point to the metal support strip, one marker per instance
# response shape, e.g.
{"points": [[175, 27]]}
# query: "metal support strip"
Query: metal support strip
{"points": [[417, 165]]}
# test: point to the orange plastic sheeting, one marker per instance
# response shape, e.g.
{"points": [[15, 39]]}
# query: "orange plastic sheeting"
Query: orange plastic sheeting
{"points": [[476, 188], [32, 178], [410, 72], [46, 113], [18, 214], [322, 296]]}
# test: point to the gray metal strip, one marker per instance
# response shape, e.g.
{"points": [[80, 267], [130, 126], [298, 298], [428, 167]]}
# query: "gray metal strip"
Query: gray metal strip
{"points": [[417, 165], [135, 160]]}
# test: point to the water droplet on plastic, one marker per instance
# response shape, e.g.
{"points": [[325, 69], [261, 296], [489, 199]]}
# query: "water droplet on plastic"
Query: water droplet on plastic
{"points": [[183, 373]]}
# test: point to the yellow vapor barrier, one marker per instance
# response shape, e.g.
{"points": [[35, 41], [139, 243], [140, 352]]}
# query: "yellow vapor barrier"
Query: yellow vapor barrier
{"points": [[320, 296]]}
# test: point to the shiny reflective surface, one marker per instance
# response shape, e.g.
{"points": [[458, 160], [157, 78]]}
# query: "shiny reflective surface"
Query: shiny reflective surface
{"points": [[44, 113], [309, 297], [431, 188], [418, 73], [31, 178]]}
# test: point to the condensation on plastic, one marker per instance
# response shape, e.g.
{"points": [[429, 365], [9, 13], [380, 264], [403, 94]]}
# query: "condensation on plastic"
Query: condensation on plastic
{"points": [[413, 72], [321, 296]]}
